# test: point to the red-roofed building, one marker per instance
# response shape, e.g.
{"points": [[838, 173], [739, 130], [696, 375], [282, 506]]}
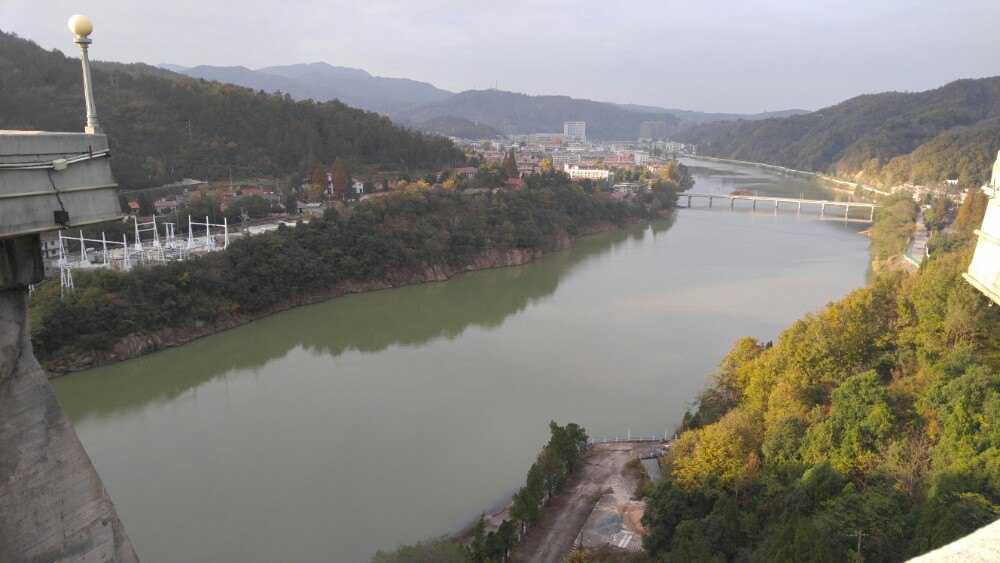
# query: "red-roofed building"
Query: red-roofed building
{"points": [[467, 170], [515, 184]]}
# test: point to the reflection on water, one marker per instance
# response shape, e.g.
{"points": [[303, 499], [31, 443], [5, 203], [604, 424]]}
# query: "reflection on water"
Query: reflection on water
{"points": [[330, 431], [408, 316]]}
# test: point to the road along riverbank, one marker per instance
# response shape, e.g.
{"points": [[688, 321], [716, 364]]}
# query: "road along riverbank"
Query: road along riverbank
{"points": [[803, 173]]}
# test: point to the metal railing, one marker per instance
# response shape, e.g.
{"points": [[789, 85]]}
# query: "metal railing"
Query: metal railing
{"points": [[627, 438]]}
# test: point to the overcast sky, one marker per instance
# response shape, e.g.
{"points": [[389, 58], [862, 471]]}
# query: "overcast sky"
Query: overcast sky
{"points": [[709, 55]]}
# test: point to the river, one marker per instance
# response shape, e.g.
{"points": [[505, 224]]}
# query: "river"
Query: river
{"points": [[330, 431]]}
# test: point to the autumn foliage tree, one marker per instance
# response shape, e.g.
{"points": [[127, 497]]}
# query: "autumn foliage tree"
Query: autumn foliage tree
{"points": [[339, 179], [872, 418]]}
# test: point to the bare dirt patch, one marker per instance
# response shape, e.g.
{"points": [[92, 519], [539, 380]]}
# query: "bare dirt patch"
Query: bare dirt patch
{"points": [[594, 508]]}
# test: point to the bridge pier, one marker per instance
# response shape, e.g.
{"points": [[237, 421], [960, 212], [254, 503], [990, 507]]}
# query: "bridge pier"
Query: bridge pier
{"points": [[775, 205], [872, 216], [847, 210], [755, 203], [710, 198], [822, 209]]}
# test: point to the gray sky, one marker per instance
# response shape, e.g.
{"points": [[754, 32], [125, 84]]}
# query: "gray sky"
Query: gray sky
{"points": [[709, 55]]}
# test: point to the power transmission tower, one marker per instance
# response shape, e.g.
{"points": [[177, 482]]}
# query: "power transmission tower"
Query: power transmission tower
{"points": [[245, 221]]}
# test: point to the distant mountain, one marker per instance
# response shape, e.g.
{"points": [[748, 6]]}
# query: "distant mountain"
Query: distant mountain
{"points": [[949, 132], [172, 68], [489, 112], [513, 113], [322, 82], [243, 76], [699, 117]]}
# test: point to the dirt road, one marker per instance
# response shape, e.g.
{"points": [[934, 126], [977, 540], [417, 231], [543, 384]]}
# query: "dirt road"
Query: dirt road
{"points": [[598, 472]]}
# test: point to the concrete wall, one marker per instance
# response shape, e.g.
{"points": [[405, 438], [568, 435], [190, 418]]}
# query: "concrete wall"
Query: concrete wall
{"points": [[984, 271], [53, 506]]}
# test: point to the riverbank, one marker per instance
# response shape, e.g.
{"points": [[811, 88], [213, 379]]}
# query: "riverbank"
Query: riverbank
{"points": [[407, 238], [139, 344], [878, 363], [384, 374], [803, 173], [596, 508]]}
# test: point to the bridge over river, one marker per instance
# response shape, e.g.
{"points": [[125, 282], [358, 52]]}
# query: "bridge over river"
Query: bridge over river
{"points": [[776, 200]]}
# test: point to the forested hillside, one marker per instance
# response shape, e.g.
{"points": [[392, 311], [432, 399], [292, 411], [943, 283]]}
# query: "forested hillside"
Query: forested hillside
{"points": [[886, 139], [162, 130], [872, 426]]}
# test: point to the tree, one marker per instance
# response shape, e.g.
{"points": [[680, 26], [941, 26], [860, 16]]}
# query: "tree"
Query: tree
{"points": [[525, 508], [857, 430], [456, 182], [478, 547], [290, 202], [318, 178], [970, 213], [717, 455], [489, 175], [435, 550], [339, 178], [536, 482], [509, 165], [553, 468], [508, 537]]}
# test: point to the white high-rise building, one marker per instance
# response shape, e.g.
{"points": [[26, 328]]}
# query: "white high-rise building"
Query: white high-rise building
{"points": [[576, 130]]}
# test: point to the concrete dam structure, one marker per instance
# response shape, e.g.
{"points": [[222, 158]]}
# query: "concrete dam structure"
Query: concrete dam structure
{"points": [[53, 506]]}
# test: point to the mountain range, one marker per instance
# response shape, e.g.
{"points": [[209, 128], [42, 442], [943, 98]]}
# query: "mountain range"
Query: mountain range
{"points": [[951, 132], [323, 82], [484, 113], [163, 126]]}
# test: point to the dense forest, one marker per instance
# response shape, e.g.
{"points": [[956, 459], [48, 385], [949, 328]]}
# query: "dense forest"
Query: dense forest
{"points": [[162, 129], [951, 132], [868, 431], [387, 240]]}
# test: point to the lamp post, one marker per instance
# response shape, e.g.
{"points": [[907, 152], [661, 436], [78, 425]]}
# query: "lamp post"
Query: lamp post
{"points": [[82, 28]]}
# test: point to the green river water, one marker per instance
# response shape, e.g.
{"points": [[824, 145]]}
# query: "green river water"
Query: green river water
{"points": [[328, 432]]}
